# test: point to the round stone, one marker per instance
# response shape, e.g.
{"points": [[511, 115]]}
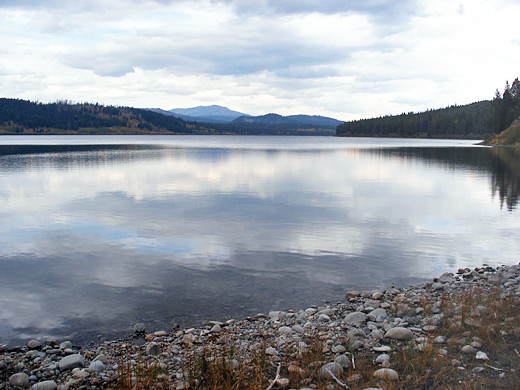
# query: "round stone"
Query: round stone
{"points": [[153, 349], [19, 379], [34, 344], [386, 374], [356, 318], [399, 333], [335, 368], [139, 328], [45, 385], [71, 361], [96, 366]]}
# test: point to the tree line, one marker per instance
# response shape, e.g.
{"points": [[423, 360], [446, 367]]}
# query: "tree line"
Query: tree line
{"points": [[467, 121], [506, 106], [477, 120], [22, 116]]}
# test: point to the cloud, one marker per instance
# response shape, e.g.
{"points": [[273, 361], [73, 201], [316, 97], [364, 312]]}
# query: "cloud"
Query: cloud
{"points": [[343, 59]]}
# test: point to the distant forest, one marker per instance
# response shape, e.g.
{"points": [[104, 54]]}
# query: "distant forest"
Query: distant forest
{"points": [[477, 120], [25, 117], [469, 121]]}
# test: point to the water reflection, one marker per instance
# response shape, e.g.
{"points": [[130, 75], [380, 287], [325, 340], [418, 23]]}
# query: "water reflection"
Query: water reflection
{"points": [[95, 240]]}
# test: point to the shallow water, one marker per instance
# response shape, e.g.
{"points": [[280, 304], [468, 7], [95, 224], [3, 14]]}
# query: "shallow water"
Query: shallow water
{"points": [[98, 233]]}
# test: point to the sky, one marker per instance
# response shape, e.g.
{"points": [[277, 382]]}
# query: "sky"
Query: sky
{"points": [[345, 59]]}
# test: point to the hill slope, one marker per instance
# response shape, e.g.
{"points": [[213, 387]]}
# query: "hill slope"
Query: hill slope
{"points": [[274, 119], [469, 121], [25, 117], [509, 137]]}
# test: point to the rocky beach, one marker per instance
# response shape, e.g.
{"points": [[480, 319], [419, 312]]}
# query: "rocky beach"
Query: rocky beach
{"points": [[461, 330]]}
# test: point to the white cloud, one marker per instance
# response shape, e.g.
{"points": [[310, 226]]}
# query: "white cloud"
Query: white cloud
{"points": [[339, 58]]}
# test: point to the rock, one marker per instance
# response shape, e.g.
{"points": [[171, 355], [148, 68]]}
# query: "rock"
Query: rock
{"points": [[298, 329], [481, 356], [323, 318], [335, 368], [65, 345], [399, 333], [284, 330], [71, 361], [19, 379], [215, 328], [440, 340], [274, 315], [437, 286], [45, 385], [102, 358], [386, 374], [271, 351], [468, 349], [188, 339], [355, 334], [160, 333], [34, 344], [96, 366], [446, 277], [377, 315], [139, 328], [377, 335], [352, 294], [355, 319], [283, 382], [342, 360], [383, 357], [338, 349], [153, 349], [376, 295]]}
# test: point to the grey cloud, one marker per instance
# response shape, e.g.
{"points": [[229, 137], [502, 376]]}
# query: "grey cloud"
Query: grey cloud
{"points": [[287, 57]]}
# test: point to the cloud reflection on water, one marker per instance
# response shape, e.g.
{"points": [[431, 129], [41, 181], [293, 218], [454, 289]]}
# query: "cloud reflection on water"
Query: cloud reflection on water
{"points": [[96, 240]]}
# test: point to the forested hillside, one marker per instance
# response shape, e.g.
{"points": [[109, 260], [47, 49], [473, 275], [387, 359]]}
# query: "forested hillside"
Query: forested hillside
{"points": [[25, 117], [507, 115], [469, 121]]}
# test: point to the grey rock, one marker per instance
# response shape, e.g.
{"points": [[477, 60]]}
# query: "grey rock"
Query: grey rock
{"points": [[343, 360], [323, 318], [153, 349], [71, 361], [139, 328], [65, 345], [338, 349], [355, 334], [437, 286], [271, 351], [386, 374], [468, 349], [215, 328], [335, 368], [377, 315], [357, 318], [19, 379], [399, 333], [298, 329], [34, 344], [383, 357], [284, 330], [446, 277], [481, 356], [384, 348], [96, 366], [377, 335]]}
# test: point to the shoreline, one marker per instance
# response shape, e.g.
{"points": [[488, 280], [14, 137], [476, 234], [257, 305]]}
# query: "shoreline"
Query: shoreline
{"points": [[361, 340]]}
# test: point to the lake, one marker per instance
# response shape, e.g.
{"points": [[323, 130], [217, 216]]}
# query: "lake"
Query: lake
{"points": [[100, 232]]}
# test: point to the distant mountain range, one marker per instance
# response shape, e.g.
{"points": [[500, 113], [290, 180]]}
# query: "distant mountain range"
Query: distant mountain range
{"points": [[223, 115], [204, 114]]}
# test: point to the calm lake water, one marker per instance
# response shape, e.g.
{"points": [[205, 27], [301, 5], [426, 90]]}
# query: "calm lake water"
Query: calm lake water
{"points": [[98, 233]]}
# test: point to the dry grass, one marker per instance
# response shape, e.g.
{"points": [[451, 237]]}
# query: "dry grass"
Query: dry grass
{"points": [[483, 316]]}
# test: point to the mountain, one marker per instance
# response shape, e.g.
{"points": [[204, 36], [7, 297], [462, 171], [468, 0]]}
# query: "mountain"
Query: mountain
{"points": [[275, 119], [208, 114]]}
